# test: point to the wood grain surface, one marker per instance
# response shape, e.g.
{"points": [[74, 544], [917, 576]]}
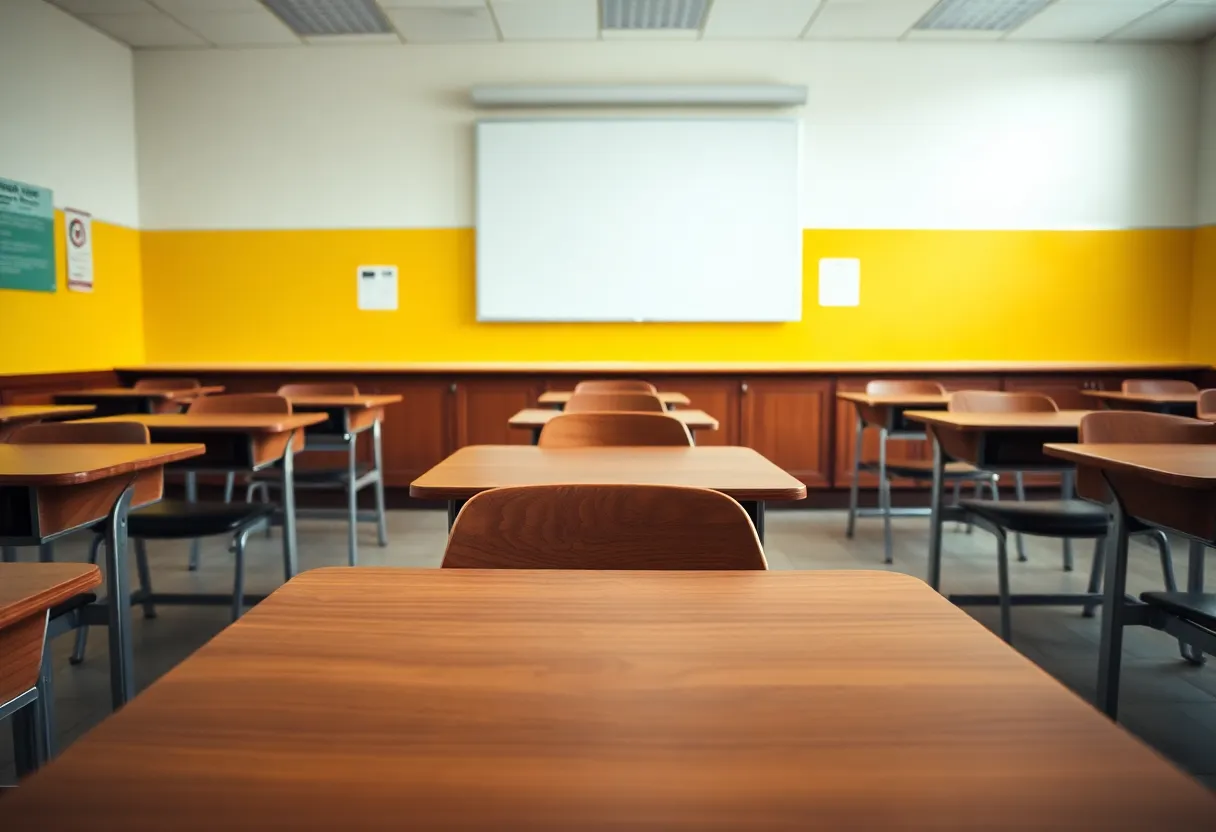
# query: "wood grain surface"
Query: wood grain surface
{"points": [[380, 699], [21, 413], [979, 422], [220, 422], [562, 397], [29, 588], [1185, 466], [892, 399], [100, 393], [739, 472], [1187, 397], [591, 429], [33, 465], [360, 401], [538, 417]]}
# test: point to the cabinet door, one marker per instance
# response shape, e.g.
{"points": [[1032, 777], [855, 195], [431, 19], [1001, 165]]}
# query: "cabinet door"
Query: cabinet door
{"points": [[716, 395], [483, 407], [416, 432], [789, 421]]}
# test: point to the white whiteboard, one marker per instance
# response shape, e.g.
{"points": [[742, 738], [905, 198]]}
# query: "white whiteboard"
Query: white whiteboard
{"points": [[638, 220]]}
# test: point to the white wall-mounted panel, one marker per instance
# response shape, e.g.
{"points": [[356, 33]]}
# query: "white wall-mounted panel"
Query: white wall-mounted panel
{"points": [[66, 92], [903, 135]]}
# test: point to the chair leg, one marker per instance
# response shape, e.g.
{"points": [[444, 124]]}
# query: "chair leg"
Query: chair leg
{"points": [[25, 740], [1194, 583], [192, 496], [46, 553], [977, 491], [1095, 575], [352, 504], [958, 493], [1066, 493], [238, 573], [82, 633], [230, 486], [145, 576], [378, 459], [855, 484], [884, 498], [1002, 561], [1019, 486], [8, 554], [263, 492], [45, 707]]}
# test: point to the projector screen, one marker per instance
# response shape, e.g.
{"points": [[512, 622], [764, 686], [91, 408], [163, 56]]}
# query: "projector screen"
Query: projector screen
{"points": [[689, 219]]}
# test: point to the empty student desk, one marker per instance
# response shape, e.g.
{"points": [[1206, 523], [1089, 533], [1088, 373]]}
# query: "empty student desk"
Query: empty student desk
{"points": [[549, 699], [110, 401], [535, 419], [1179, 403], [737, 472], [558, 399], [13, 416], [47, 491]]}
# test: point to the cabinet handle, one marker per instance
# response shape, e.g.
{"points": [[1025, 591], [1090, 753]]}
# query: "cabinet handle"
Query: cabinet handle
{"points": [[452, 389], [743, 387]]}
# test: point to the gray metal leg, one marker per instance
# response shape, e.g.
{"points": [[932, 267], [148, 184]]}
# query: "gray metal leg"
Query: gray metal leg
{"points": [[352, 503], [82, 634], [958, 495], [977, 491], [263, 492], [755, 510], [25, 739], [935, 518], [291, 562], [1019, 486], [8, 554], [229, 486], [884, 498], [1066, 493], [1110, 652], [855, 486], [45, 706], [1194, 583], [145, 576], [192, 496], [1095, 575], [1002, 561], [118, 605], [378, 459], [1167, 560], [46, 553], [238, 573]]}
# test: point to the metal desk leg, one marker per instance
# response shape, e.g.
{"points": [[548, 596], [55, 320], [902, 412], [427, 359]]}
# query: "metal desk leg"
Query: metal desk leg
{"points": [[1110, 653], [1019, 487], [536, 435], [8, 554], [291, 555], [755, 510], [378, 459], [1066, 493], [935, 518], [192, 496], [454, 507], [352, 501], [855, 486], [1194, 583], [118, 603], [884, 498]]}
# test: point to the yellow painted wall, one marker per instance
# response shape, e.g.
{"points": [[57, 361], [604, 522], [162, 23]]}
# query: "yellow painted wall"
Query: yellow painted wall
{"points": [[1203, 306], [61, 331], [926, 295]]}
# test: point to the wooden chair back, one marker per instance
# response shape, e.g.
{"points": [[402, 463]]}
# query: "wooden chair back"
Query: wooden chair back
{"points": [[1207, 404], [622, 385], [603, 527], [1069, 398], [995, 401], [241, 403], [901, 387], [1158, 386], [80, 433], [1135, 427], [167, 384], [615, 402], [598, 429], [327, 388]]}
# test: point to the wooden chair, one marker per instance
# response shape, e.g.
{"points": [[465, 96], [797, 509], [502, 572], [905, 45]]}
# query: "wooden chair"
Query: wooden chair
{"points": [[1207, 405], [1158, 386], [603, 527], [996, 401], [615, 386], [80, 433], [585, 430], [241, 403], [328, 388], [167, 384], [619, 402], [1068, 398]]}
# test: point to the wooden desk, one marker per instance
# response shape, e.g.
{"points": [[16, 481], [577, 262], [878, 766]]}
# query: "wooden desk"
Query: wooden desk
{"points": [[242, 442], [740, 473], [1170, 486], [1179, 404], [519, 699], [110, 401], [558, 399], [13, 416], [47, 491], [535, 419], [27, 591]]}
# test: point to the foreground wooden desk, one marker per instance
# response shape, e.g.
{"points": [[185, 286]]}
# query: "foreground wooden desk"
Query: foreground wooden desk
{"points": [[383, 699], [47, 491], [558, 399], [535, 419], [238, 441], [1178, 404], [740, 473], [110, 401], [1169, 486]]}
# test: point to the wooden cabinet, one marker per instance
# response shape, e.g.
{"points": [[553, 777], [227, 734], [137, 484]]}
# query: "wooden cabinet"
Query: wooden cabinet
{"points": [[1067, 391], [716, 395], [483, 407], [416, 433], [789, 421]]}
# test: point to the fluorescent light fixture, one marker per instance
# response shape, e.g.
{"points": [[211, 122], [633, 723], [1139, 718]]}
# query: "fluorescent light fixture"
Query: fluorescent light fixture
{"points": [[313, 18], [687, 95], [980, 15], [653, 14]]}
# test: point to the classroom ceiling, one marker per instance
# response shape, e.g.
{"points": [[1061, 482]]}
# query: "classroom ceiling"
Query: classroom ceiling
{"points": [[193, 24]]}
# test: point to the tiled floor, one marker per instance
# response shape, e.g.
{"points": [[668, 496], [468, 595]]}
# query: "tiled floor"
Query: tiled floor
{"points": [[1171, 705]]}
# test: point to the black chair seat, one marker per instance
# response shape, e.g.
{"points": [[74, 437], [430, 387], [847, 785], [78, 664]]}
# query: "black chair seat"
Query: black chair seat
{"points": [[176, 519], [1196, 607], [72, 604], [951, 471], [1051, 518], [312, 476]]}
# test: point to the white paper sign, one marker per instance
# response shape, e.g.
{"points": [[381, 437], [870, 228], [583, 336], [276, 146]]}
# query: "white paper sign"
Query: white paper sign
{"points": [[840, 281], [377, 287], [79, 226]]}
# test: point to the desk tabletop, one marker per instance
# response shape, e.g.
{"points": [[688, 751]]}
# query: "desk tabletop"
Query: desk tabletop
{"points": [[1146, 398], [11, 414], [980, 422], [100, 393], [514, 699], [894, 400], [738, 472], [359, 402], [34, 465], [563, 396], [29, 588], [1187, 466], [220, 422], [538, 417]]}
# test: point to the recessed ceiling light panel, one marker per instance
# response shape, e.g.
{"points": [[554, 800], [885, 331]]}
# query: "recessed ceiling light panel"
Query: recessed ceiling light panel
{"points": [[653, 14], [980, 15], [313, 18]]}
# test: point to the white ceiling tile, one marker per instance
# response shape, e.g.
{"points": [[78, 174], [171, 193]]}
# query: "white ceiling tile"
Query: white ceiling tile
{"points": [[650, 34], [432, 4], [547, 19], [79, 7], [955, 34], [867, 19], [181, 7], [759, 19], [144, 30], [1089, 20], [374, 39], [239, 28], [444, 25], [1176, 22]]}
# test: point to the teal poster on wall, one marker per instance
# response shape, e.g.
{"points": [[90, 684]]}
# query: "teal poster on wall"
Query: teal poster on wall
{"points": [[27, 237]]}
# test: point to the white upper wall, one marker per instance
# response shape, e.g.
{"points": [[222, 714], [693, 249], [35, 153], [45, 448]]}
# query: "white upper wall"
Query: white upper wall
{"points": [[1207, 140], [68, 111], [899, 135]]}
